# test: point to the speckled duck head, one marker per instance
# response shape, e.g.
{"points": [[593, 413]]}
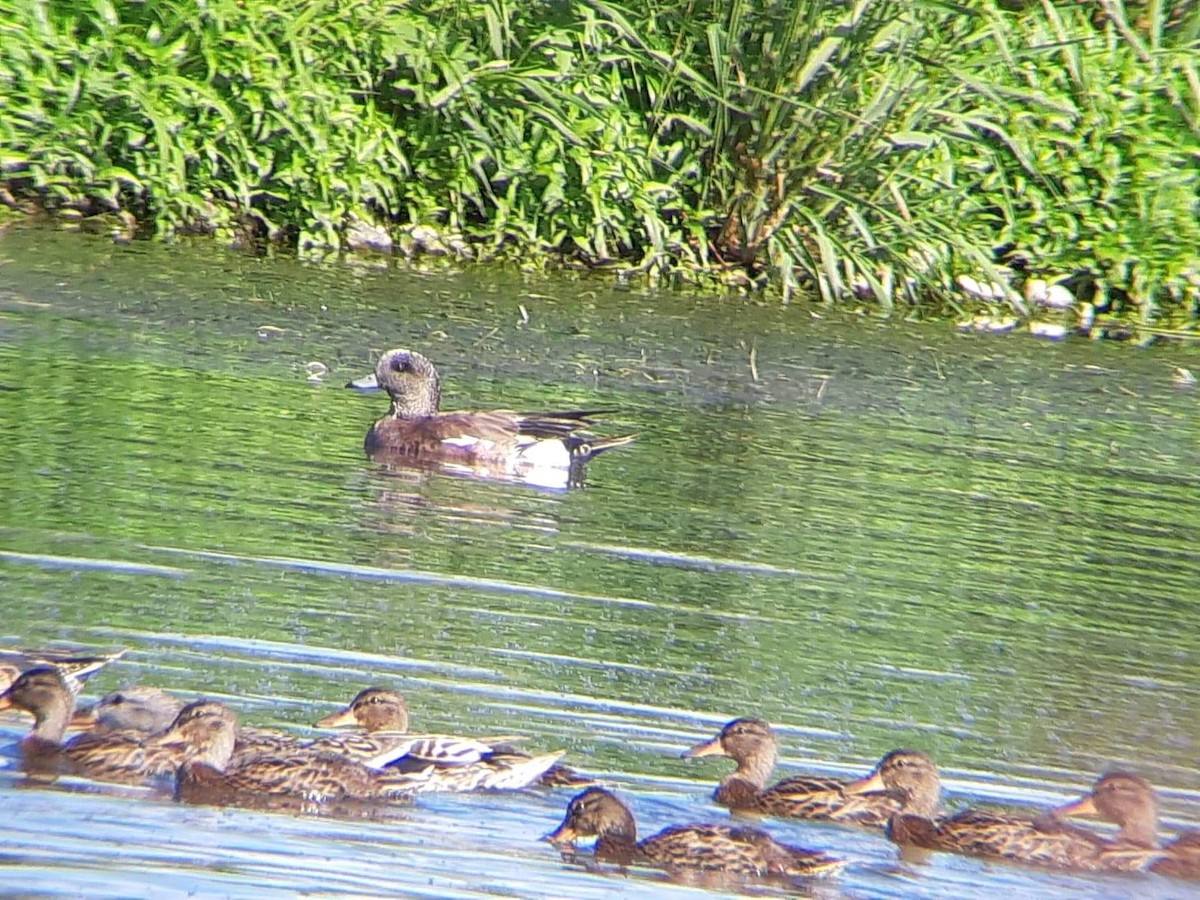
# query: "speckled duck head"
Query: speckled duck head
{"points": [[908, 774], [372, 709], [139, 708], [750, 742], [204, 732], [1123, 799], [594, 813], [43, 693], [409, 379]]}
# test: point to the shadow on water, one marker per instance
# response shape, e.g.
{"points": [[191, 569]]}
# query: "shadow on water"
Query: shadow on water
{"points": [[982, 548]]}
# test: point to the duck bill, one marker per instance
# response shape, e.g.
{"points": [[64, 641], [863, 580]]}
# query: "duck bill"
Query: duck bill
{"points": [[563, 834], [1084, 806], [84, 718], [6, 702], [339, 719], [368, 384], [873, 783], [707, 748]]}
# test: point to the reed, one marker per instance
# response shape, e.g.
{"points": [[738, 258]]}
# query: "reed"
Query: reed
{"points": [[866, 151]]}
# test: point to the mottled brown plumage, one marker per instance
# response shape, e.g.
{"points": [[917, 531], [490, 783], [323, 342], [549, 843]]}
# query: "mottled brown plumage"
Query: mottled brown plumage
{"points": [[1041, 841], [1128, 801], [462, 764], [106, 756], [492, 443], [732, 850], [205, 733], [751, 743], [142, 710]]}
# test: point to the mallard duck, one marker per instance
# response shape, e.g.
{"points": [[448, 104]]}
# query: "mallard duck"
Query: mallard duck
{"points": [[732, 850], [750, 742], [499, 442], [1042, 841], [463, 764], [108, 756], [141, 710], [1128, 801], [74, 668], [204, 734]]}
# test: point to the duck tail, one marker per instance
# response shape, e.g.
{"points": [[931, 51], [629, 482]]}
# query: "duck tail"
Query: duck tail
{"points": [[512, 773], [800, 862], [564, 776]]}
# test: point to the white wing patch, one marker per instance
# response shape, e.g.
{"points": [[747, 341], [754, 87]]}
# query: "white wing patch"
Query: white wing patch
{"points": [[546, 454]]}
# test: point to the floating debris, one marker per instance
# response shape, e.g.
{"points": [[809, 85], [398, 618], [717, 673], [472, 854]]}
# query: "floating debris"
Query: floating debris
{"points": [[316, 371], [1183, 378], [266, 332]]}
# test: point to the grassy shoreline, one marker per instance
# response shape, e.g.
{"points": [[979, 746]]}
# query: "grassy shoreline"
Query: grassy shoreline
{"points": [[864, 152]]}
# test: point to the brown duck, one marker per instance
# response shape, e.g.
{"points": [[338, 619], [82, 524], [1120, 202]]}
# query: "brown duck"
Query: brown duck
{"points": [[1041, 841], [141, 710], [496, 443], [113, 755], [204, 734], [1128, 802], [751, 744], [731, 850], [462, 764]]}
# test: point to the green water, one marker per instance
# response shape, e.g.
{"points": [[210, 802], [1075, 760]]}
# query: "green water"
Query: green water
{"points": [[872, 534]]}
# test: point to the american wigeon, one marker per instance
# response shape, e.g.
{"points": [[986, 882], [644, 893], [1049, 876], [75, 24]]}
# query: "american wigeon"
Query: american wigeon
{"points": [[498, 442]]}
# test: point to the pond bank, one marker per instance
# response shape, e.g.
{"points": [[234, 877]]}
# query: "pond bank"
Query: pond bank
{"points": [[828, 156]]}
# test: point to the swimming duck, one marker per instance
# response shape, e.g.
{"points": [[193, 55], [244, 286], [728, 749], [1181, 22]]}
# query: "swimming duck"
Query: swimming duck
{"points": [[497, 443], [73, 667], [751, 743], [1128, 801], [204, 734], [138, 708], [142, 710], [1042, 841], [462, 764], [108, 756], [732, 850]]}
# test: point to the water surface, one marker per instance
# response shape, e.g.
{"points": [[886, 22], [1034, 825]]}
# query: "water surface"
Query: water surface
{"points": [[872, 534]]}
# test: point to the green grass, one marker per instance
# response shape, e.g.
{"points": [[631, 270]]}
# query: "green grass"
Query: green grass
{"points": [[863, 151]]}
